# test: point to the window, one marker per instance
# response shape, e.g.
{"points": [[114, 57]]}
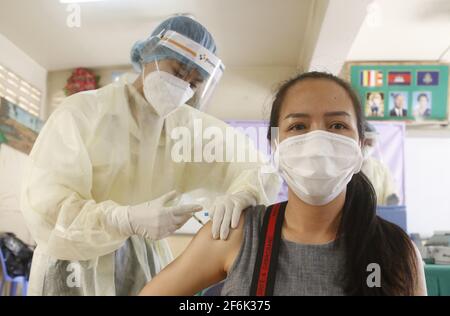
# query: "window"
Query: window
{"points": [[18, 91]]}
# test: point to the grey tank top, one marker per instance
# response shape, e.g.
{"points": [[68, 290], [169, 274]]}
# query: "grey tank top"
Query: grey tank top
{"points": [[302, 269]]}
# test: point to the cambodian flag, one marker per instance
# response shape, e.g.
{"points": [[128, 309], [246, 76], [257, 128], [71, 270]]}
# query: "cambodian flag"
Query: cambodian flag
{"points": [[399, 78]]}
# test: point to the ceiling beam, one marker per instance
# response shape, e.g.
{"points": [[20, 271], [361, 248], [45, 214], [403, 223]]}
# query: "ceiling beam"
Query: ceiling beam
{"points": [[341, 22], [316, 14]]}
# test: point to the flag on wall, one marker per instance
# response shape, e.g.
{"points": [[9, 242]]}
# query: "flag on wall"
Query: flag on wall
{"points": [[428, 78], [399, 78], [371, 78]]}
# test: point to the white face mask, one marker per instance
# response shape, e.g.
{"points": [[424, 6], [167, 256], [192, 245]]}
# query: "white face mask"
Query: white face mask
{"points": [[318, 165], [165, 92]]}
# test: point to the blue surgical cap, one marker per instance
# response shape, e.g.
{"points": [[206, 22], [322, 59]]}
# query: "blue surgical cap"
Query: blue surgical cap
{"points": [[147, 51]]}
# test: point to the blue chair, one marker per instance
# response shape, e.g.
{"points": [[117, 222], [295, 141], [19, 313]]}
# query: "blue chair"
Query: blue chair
{"points": [[395, 214], [14, 281]]}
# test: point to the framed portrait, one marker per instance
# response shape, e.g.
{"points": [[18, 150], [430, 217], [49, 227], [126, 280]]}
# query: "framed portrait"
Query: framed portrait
{"points": [[413, 92]]}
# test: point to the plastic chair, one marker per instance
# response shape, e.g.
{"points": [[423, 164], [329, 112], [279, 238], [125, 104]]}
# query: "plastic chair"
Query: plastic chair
{"points": [[14, 281], [395, 214]]}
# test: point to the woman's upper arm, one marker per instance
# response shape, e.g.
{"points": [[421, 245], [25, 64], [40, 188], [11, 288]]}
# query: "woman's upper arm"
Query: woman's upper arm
{"points": [[421, 288], [204, 263]]}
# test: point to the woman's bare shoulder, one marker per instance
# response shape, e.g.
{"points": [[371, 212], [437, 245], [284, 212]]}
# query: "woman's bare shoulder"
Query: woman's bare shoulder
{"points": [[224, 250]]}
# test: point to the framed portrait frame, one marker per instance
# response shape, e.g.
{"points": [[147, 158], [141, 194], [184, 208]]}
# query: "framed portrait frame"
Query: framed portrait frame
{"points": [[414, 92]]}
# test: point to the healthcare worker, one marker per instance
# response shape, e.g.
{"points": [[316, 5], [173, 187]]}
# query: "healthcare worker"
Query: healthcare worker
{"points": [[103, 189], [377, 172]]}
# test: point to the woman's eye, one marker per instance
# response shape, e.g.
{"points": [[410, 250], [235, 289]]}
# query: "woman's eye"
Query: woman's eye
{"points": [[297, 127], [338, 126]]}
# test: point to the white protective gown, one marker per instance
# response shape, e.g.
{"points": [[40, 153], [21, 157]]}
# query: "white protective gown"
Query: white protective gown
{"points": [[381, 179], [93, 156]]}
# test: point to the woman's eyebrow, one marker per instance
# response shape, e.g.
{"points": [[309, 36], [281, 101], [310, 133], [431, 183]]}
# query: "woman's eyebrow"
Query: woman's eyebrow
{"points": [[334, 113], [297, 115], [337, 113]]}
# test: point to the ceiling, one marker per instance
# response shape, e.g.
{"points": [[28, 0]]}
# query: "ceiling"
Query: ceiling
{"points": [[404, 30], [248, 33]]}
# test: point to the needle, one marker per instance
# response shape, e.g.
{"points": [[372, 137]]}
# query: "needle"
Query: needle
{"points": [[198, 219]]}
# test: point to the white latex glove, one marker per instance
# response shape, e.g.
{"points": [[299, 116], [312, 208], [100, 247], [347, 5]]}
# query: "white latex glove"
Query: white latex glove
{"points": [[153, 220], [227, 210]]}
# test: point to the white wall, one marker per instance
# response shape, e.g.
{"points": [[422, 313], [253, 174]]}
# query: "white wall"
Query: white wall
{"points": [[56, 80], [427, 180], [25, 67], [12, 161], [12, 165], [245, 93], [403, 30]]}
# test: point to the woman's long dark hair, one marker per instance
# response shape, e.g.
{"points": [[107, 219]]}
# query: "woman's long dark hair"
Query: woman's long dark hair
{"points": [[364, 237]]}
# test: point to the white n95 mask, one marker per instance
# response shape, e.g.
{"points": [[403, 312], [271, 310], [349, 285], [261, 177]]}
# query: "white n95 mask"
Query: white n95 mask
{"points": [[318, 165], [165, 92]]}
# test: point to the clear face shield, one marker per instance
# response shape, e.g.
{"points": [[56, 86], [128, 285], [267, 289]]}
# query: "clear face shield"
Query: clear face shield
{"points": [[184, 72], [370, 144]]}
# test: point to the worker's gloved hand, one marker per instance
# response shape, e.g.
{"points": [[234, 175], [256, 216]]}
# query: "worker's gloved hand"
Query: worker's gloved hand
{"points": [[226, 211], [153, 220]]}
